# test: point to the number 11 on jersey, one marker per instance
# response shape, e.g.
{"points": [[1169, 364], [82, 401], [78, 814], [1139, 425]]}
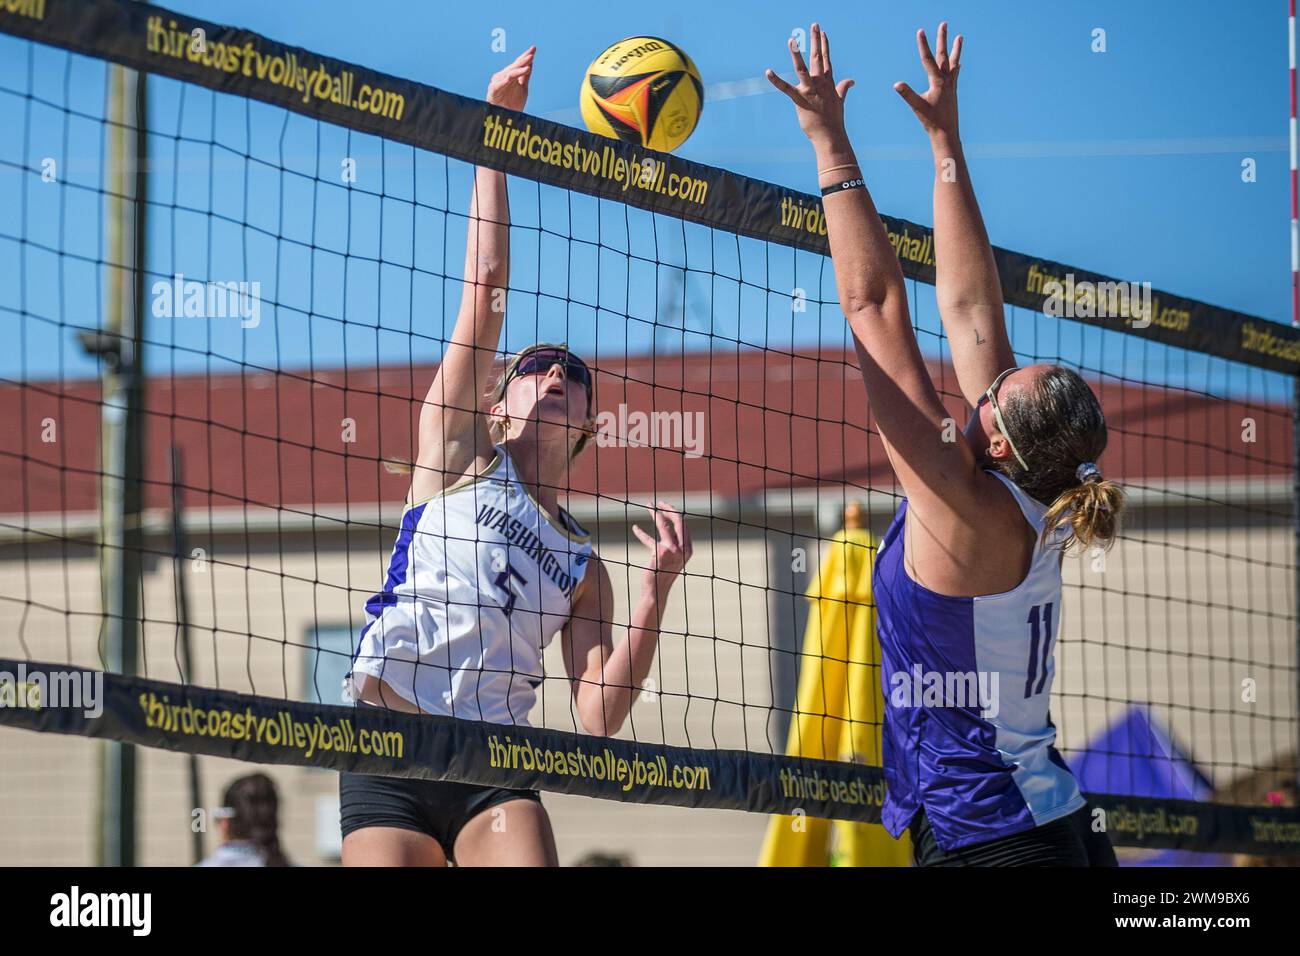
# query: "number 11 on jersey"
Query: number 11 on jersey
{"points": [[1040, 642]]}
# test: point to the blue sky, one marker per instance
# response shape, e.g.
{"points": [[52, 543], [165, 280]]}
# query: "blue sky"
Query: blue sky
{"points": [[1126, 162]]}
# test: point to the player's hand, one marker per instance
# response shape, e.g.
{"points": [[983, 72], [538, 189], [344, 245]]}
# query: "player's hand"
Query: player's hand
{"points": [[936, 108], [668, 555], [509, 86], [818, 99]]}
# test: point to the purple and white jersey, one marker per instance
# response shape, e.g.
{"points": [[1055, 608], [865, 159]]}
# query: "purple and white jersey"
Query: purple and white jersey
{"points": [[967, 683]]}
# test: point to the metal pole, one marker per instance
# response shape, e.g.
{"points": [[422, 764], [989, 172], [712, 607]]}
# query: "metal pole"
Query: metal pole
{"points": [[123, 446], [110, 485], [1295, 322], [179, 550], [1295, 199]]}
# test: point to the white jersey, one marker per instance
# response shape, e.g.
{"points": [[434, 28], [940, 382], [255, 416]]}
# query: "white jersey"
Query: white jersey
{"points": [[480, 581]]}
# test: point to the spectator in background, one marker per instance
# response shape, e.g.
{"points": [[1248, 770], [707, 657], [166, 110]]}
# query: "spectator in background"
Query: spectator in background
{"points": [[1284, 794], [248, 823]]}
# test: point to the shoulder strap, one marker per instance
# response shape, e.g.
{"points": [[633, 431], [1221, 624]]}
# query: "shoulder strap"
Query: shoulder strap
{"points": [[572, 524], [504, 461], [1032, 510]]}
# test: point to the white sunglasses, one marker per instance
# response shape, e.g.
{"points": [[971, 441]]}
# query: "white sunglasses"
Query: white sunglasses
{"points": [[990, 397]]}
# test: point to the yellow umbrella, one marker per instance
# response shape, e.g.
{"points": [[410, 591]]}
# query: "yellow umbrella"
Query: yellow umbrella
{"points": [[840, 707]]}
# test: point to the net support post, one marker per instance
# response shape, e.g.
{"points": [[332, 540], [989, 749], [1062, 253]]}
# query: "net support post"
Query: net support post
{"points": [[123, 442]]}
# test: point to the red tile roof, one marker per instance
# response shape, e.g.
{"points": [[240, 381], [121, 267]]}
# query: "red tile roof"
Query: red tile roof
{"points": [[771, 420]]}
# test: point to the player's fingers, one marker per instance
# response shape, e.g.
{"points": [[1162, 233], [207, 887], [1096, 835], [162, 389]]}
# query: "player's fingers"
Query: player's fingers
{"points": [[678, 524], [667, 534], [511, 73], [843, 87], [782, 85], [644, 538], [927, 58], [826, 50], [816, 64], [800, 69], [941, 46], [677, 521], [954, 62], [684, 535], [910, 96]]}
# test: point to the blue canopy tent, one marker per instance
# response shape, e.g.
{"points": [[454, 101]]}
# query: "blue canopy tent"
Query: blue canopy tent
{"points": [[1136, 756]]}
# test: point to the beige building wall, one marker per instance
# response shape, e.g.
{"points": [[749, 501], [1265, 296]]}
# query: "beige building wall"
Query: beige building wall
{"points": [[251, 620], [1192, 621], [1183, 619]]}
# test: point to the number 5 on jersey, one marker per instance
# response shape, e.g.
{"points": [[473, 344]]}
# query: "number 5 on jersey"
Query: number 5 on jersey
{"points": [[502, 581]]}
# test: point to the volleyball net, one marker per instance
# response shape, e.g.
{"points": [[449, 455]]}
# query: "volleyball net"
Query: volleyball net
{"points": [[292, 280]]}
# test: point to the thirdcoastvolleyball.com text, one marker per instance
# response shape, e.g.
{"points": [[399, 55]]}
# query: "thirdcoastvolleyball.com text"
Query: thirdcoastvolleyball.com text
{"points": [[507, 753], [312, 81], [280, 729], [645, 173]]}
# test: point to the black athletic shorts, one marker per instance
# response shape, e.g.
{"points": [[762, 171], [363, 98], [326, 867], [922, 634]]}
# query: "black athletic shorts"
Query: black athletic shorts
{"points": [[439, 808], [1068, 841]]}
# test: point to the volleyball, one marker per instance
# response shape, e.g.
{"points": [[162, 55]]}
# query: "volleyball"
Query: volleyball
{"points": [[643, 90]]}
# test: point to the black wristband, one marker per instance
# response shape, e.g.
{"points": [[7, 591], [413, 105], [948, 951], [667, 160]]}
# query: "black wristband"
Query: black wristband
{"points": [[856, 183]]}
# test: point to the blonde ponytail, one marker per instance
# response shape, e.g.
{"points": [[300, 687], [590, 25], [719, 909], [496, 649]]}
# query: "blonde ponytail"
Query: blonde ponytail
{"points": [[1089, 511]]}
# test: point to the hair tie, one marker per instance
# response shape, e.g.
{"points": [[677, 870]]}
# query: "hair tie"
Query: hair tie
{"points": [[1087, 471]]}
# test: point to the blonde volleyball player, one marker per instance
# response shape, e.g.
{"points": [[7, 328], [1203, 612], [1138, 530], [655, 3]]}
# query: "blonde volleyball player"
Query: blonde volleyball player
{"points": [[967, 579], [488, 567]]}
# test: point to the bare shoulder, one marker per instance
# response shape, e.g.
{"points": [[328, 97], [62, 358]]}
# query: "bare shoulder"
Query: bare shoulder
{"points": [[981, 547], [445, 465]]}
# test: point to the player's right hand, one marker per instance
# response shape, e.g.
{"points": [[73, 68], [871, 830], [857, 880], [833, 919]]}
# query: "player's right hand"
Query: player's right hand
{"points": [[509, 85], [818, 99]]}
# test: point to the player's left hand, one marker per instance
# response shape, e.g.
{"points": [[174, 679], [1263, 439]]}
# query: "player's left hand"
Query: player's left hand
{"points": [[936, 108], [668, 555]]}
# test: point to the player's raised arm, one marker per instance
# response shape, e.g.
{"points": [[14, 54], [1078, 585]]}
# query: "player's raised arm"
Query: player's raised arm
{"points": [[966, 284], [453, 437], [606, 678], [874, 297]]}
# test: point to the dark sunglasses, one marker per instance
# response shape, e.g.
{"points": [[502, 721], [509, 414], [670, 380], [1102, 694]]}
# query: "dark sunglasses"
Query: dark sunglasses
{"points": [[541, 361]]}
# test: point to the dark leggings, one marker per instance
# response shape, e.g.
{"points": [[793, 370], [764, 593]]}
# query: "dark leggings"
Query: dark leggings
{"points": [[1068, 841]]}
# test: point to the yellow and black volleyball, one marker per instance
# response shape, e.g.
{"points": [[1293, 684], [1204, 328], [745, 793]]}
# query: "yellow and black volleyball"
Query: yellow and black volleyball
{"points": [[643, 90]]}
